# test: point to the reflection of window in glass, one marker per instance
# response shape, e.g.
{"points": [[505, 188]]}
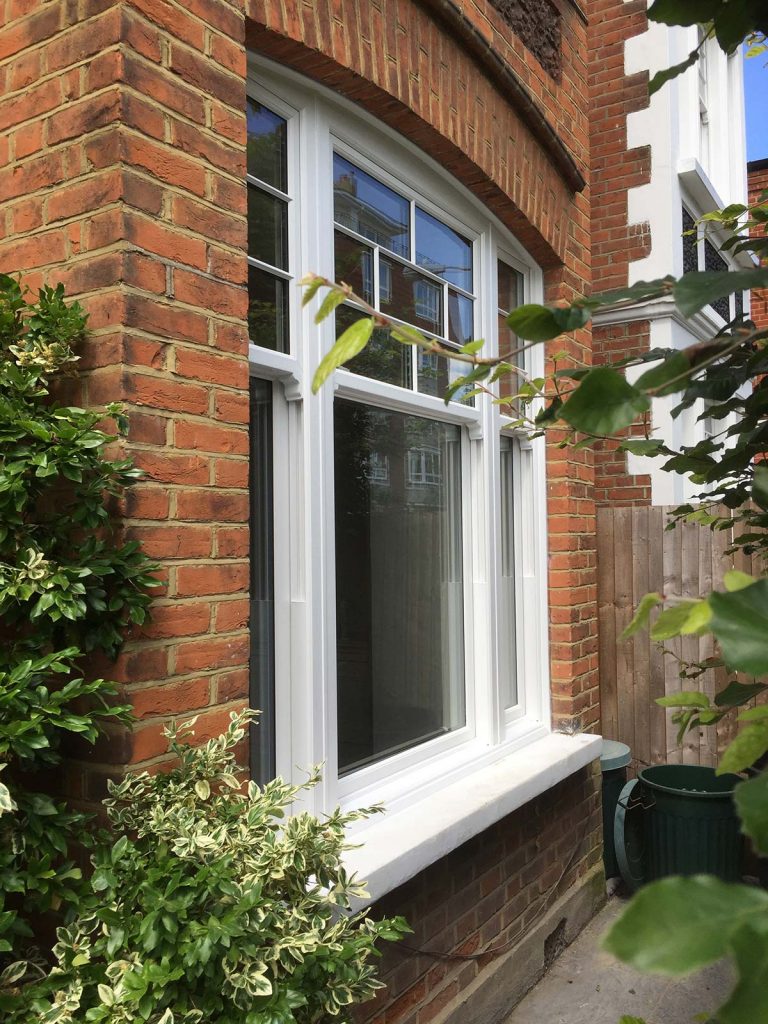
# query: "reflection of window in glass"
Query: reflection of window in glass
{"points": [[268, 276], [424, 467], [426, 301], [378, 468], [370, 208], [375, 241], [385, 281], [399, 589], [510, 295]]}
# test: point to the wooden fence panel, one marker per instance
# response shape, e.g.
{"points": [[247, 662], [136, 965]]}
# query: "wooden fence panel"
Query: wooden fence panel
{"points": [[637, 554]]}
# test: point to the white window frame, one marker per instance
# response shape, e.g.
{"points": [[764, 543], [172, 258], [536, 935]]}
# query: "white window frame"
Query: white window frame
{"points": [[304, 548]]}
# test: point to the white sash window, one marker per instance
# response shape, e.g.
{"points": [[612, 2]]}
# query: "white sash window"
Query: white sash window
{"points": [[401, 637]]}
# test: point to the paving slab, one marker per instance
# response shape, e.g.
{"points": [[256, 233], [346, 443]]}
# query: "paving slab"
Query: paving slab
{"points": [[587, 986]]}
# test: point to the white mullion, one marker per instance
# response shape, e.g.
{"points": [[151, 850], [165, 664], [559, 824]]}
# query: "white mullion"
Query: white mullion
{"points": [[309, 710], [276, 193], [402, 260], [484, 534], [270, 269], [376, 278], [324, 674]]}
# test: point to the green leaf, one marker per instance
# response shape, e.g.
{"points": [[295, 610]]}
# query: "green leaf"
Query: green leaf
{"points": [[741, 753], [683, 12], [672, 368], [352, 341], [736, 694], [760, 485], [472, 347], [642, 446], [674, 621], [678, 925], [749, 1000], [333, 299], [751, 799], [534, 323], [631, 1020], [311, 286], [700, 288], [640, 291], [642, 615], [684, 699], [662, 77], [603, 403], [735, 579], [740, 624]]}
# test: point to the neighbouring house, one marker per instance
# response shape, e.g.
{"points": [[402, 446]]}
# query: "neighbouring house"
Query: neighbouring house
{"points": [[656, 168], [407, 589]]}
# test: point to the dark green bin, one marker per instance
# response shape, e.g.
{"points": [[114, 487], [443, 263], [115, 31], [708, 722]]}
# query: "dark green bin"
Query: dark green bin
{"points": [[614, 759], [681, 820]]}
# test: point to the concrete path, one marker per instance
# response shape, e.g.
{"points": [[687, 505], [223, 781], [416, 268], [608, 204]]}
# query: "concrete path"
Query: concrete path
{"points": [[586, 986]]}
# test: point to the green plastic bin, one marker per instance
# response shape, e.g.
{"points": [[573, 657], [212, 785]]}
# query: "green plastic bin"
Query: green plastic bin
{"points": [[678, 819], [614, 760]]}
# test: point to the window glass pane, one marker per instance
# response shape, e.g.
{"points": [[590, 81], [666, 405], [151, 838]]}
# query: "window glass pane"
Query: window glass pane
{"points": [[507, 605], [412, 297], [460, 311], [262, 609], [436, 373], [363, 204], [382, 358], [510, 283], [267, 145], [354, 265], [510, 286], [443, 251], [399, 589], [267, 228], [690, 246], [267, 310], [714, 261]]}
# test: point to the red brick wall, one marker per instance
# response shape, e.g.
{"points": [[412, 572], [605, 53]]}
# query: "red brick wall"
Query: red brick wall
{"points": [[123, 164], [122, 158], [757, 182], [614, 170], [486, 895]]}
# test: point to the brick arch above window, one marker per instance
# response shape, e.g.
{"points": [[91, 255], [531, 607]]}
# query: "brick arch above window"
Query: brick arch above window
{"points": [[456, 98]]}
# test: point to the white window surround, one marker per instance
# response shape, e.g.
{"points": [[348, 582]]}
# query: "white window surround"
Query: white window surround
{"points": [[514, 747]]}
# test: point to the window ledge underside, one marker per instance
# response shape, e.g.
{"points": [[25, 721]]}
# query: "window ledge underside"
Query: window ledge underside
{"points": [[396, 847]]}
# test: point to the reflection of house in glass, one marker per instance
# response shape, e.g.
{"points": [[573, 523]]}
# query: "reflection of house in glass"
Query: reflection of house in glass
{"points": [[398, 533], [377, 213]]}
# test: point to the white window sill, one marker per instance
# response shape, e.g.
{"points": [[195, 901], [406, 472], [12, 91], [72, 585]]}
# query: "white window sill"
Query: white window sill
{"points": [[396, 847]]}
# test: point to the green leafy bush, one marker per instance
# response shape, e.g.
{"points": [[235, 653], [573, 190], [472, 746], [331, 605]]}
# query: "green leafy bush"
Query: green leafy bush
{"points": [[68, 585], [210, 906]]}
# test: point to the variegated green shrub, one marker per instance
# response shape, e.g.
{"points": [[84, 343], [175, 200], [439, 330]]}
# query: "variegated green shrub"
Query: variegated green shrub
{"points": [[212, 906]]}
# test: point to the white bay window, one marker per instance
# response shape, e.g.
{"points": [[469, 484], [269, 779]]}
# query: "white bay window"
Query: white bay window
{"points": [[404, 639]]}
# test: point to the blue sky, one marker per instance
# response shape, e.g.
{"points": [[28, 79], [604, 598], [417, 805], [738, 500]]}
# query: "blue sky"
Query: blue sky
{"points": [[756, 91]]}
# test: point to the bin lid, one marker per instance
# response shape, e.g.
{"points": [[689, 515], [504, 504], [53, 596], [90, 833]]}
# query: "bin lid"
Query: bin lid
{"points": [[614, 755], [628, 837]]}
